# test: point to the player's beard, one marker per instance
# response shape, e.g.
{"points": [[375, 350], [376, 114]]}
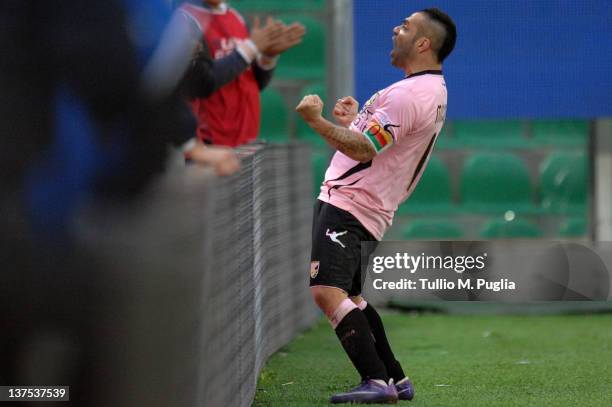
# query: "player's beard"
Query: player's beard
{"points": [[399, 55]]}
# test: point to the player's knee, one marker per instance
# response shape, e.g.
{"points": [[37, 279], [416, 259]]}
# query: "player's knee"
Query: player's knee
{"points": [[327, 298], [320, 296]]}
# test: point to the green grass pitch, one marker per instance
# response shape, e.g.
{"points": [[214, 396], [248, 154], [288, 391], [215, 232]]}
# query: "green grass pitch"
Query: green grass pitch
{"points": [[460, 361]]}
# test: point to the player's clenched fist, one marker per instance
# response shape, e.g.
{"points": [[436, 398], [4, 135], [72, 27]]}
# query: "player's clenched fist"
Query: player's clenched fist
{"points": [[310, 108], [345, 111]]}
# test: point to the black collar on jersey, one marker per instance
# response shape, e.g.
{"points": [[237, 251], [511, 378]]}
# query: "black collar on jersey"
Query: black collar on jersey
{"points": [[431, 71]]}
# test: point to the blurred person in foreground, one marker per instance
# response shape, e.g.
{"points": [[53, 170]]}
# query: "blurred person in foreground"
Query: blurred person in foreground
{"points": [[88, 107], [226, 99], [382, 152]]}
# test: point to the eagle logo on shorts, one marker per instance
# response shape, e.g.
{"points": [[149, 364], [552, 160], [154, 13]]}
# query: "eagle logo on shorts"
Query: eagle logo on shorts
{"points": [[314, 269]]}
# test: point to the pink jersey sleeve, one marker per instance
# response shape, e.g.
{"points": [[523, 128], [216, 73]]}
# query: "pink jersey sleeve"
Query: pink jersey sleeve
{"points": [[392, 119]]}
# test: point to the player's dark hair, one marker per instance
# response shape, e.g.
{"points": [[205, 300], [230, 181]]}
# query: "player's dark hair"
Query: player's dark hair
{"points": [[450, 30]]}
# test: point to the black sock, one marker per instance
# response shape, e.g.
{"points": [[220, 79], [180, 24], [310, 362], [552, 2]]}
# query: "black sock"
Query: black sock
{"points": [[356, 339], [382, 344]]}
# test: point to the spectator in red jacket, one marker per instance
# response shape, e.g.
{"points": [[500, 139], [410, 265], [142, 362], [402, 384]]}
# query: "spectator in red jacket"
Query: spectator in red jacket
{"points": [[226, 101]]}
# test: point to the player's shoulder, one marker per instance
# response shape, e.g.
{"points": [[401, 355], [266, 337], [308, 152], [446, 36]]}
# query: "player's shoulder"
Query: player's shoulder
{"points": [[414, 88], [401, 91], [419, 81]]}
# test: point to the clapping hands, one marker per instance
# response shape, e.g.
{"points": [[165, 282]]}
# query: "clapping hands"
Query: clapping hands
{"points": [[275, 37]]}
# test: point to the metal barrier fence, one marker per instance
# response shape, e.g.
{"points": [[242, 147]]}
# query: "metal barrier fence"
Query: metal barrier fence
{"points": [[209, 278]]}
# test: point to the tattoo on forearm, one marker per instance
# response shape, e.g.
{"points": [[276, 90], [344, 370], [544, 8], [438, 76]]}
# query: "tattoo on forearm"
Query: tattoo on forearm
{"points": [[347, 141]]}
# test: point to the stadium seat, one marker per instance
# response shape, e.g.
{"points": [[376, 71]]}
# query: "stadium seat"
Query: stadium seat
{"points": [[573, 227], [274, 119], [560, 133], [495, 183], [431, 229], [490, 134], [307, 60], [563, 183], [277, 5], [304, 132], [320, 162], [433, 192], [509, 229]]}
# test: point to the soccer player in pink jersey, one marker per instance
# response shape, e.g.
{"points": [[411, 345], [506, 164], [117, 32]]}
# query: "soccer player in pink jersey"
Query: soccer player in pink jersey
{"points": [[382, 152]]}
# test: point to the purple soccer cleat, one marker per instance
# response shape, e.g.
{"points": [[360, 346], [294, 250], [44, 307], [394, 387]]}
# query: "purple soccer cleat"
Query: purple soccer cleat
{"points": [[405, 390], [368, 392]]}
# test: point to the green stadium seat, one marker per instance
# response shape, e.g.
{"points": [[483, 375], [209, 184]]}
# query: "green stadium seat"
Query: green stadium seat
{"points": [[305, 61], [495, 183], [560, 133], [303, 131], [320, 162], [277, 5], [431, 230], [274, 117], [509, 229], [563, 183], [573, 227], [433, 192], [490, 134]]}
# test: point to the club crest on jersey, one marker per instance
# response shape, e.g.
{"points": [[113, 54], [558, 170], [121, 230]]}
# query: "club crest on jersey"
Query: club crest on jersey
{"points": [[380, 133], [314, 269], [371, 100], [368, 109]]}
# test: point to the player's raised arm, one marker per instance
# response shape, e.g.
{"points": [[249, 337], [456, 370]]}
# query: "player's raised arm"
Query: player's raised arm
{"points": [[351, 143]]}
